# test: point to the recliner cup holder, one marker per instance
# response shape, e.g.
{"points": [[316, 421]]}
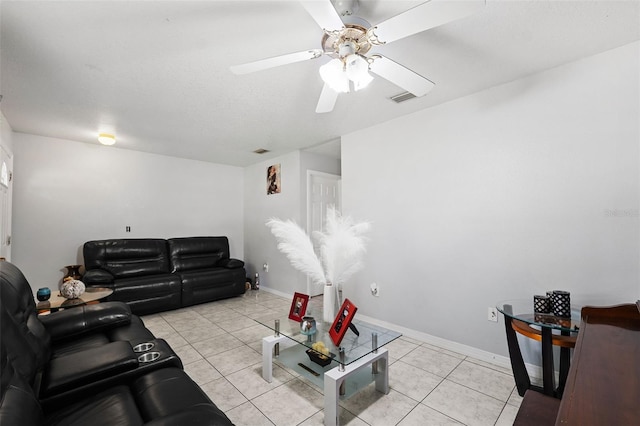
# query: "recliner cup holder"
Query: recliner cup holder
{"points": [[148, 357], [143, 347]]}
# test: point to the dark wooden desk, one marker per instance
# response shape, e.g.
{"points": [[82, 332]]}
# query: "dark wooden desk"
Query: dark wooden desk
{"points": [[603, 387]]}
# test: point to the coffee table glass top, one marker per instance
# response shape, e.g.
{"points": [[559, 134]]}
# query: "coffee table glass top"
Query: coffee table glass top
{"points": [[355, 347], [522, 310], [91, 294]]}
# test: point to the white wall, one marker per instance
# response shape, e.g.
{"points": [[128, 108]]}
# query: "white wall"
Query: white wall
{"points": [[522, 188], [69, 192], [260, 245]]}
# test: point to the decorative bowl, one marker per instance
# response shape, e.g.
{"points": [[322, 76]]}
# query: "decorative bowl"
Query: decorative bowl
{"points": [[72, 289], [319, 358], [43, 294]]}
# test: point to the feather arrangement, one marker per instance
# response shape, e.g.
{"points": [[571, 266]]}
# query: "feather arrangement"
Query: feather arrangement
{"points": [[294, 243], [341, 247]]}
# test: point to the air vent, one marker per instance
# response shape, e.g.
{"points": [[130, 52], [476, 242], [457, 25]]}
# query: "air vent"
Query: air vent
{"points": [[402, 97], [261, 151]]}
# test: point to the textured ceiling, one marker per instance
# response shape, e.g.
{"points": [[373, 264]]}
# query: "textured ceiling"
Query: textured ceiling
{"points": [[157, 73]]}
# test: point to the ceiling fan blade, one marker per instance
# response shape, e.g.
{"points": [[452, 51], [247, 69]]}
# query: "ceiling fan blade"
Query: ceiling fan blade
{"points": [[324, 14], [424, 16], [327, 99], [401, 76], [276, 61]]}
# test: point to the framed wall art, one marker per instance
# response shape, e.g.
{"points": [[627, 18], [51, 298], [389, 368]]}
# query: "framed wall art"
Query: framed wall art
{"points": [[341, 323], [273, 179], [298, 306]]}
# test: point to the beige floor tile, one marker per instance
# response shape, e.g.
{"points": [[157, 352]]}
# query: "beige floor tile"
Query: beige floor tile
{"points": [[161, 328], [412, 381], [221, 315], [188, 354], [290, 403], [399, 348], [234, 360], [507, 416], [237, 324], [433, 361], [344, 416], [189, 323], [179, 314], [174, 339], [463, 404], [251, 334], [500, 368], [220, 345], [249, 380], [515, 399], [225, 395], [216, 345], [248, 415], [198, 334], [376, 408], [202, 372], [422, 415], [490, 382]]}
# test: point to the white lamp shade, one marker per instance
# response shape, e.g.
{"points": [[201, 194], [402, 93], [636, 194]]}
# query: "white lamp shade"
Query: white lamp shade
{"points": [[357, 70], [333, 74]]}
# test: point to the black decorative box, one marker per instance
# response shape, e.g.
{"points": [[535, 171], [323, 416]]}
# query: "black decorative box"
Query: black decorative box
{"points": [[318, 358]]}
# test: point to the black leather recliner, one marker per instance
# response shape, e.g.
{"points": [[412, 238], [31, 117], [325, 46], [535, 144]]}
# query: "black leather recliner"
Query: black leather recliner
{"points": [[137, 270], [154, 275], [205, 269], [78, 367]]}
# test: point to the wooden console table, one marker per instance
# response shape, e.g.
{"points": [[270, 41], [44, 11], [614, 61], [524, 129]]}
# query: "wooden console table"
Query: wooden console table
{"points": [[603, 387]]}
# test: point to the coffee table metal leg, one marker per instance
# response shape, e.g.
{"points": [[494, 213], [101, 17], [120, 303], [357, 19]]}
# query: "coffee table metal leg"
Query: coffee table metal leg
{"points": [[334, 378]]}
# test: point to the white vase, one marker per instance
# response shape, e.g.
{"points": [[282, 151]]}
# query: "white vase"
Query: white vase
{"points": [[329, 304]]}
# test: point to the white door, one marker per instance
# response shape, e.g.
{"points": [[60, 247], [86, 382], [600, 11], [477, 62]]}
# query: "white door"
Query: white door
{"points": [[323, 190], [6, 183]]}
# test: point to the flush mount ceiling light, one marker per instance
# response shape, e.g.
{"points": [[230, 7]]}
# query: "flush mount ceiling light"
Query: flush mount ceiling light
{"points": [[106, 139], [347, 39]]}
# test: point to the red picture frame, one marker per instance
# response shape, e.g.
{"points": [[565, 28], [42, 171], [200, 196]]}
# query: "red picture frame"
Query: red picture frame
{"points": [[341, 323], [298, 306]]}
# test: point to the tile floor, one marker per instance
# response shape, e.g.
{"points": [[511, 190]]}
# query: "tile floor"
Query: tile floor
{"points": [[220, 346]]}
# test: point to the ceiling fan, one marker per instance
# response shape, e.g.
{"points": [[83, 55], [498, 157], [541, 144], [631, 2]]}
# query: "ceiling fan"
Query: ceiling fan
{"points": [[348, 39]]}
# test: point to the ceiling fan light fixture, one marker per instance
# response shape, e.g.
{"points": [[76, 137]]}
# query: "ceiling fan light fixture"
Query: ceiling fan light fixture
{"points": [[106, 139], [357, 70], [333, 75]]}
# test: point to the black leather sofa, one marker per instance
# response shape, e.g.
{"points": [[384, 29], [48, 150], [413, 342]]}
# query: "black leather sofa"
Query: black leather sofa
{"points": [[153, 275], [79, 367]]}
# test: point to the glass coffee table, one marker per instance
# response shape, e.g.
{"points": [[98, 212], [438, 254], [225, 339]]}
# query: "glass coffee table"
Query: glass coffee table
{"points": [[361, 359], [57, 301]]}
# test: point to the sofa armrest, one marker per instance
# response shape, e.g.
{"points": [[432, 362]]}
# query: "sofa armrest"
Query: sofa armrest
{"points": [[89, 366], [198, 415], [97, 277], [71, 323], [231, 263]]}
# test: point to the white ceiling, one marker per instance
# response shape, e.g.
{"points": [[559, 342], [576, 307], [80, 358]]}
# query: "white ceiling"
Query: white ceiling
{"points": [[157, 73]]}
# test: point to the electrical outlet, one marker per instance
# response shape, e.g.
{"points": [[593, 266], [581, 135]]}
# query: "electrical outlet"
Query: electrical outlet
{"points": [[375, 291], [265, 267], [492, 314]]}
